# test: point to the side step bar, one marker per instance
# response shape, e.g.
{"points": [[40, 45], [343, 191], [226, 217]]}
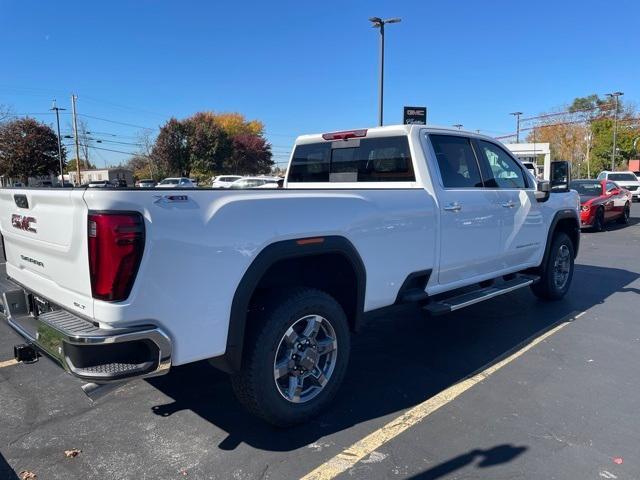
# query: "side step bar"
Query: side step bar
{"points": [[452, 304]]}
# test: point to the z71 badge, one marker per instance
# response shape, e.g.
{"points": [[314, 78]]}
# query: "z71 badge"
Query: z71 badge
{"points": [[22, 222]]}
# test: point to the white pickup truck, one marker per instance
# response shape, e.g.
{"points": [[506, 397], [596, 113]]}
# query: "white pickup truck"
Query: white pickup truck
{"points": [[270, 284]]}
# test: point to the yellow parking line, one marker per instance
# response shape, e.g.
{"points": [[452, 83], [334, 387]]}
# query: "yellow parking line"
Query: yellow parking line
{"points": [[8, 363], [359, 450]]}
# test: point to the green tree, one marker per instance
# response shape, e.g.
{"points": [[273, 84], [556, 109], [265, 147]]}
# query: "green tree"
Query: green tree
{"points": [[209, 145], [84, 165], [28, 148], [171, 149]]}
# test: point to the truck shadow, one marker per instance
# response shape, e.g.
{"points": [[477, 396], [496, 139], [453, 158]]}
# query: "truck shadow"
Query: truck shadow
{"points": [[398, 361]]}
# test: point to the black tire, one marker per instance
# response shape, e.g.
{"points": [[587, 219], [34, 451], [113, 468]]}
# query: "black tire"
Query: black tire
{"points": [[547, 288], [624, 219], [255, 385], [598, 221]]}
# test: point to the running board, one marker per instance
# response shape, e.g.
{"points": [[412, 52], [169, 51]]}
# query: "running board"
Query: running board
{"points": [[452, 304]]}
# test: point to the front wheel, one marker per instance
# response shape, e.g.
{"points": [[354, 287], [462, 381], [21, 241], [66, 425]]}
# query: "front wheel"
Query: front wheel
{"points": [[598, 221], [557, 271], [296, 356]]}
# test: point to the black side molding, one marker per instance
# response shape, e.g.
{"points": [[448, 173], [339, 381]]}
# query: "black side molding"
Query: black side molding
{"points": [[413, 287]]}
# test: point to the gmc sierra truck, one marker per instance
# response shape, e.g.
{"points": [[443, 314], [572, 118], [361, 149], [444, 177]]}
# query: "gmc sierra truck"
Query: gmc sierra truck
{"points": [[270, 284]]}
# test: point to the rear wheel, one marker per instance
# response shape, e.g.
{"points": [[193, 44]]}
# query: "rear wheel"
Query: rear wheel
{"points": [[624, 218], [296, 356], [557, 272], [598, 221]]}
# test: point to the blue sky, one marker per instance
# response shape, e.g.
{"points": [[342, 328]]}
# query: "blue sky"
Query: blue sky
{"points": [[304, 67]]}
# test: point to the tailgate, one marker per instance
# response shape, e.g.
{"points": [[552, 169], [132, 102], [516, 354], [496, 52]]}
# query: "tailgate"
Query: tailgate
{"points": [[45, 237]]}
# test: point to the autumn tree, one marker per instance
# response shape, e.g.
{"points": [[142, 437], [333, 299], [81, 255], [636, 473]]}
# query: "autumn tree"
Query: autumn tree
{"points": [[235, 124], [251, 154], [583, 134], [208, 143], [28, 148]]}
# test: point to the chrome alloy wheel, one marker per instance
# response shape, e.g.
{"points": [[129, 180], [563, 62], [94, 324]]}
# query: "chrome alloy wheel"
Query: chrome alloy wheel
{"points": [[561, 267], [305, 359]]}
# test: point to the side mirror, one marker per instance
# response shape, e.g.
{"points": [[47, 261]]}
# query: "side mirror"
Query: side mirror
{"points": [[543, 190], [560, 176]]}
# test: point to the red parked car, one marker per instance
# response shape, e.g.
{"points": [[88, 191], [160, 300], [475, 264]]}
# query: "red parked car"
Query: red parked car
{"points": [[601, 201]]}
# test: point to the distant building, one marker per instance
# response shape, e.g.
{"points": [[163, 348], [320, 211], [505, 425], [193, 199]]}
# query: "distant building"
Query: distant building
{"points": [[537, 153], [97, 175], [39, 181]]}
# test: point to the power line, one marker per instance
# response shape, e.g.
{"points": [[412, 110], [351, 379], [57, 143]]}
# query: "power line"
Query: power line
{"points": [[116, 122]]}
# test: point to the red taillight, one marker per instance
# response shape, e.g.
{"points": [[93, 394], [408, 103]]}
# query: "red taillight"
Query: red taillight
{"points": [[345, 135], [116, 243]]}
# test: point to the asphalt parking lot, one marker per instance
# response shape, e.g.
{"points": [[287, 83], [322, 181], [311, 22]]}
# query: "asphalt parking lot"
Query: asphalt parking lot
{"points": [[563, 407]]}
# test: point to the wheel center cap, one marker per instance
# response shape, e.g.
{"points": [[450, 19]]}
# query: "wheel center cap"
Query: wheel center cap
{"points": [[308, 359]]}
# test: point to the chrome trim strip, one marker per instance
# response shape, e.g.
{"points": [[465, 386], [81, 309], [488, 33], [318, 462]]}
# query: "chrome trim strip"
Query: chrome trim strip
{"points": [[496, 293]]}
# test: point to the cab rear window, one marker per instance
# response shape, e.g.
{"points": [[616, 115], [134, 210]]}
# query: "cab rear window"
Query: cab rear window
{"points": [[385, 159]]}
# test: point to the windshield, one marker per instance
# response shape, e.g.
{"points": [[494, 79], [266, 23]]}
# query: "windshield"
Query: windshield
{"points": [[587, 188], [625, 177], [169, 181]]}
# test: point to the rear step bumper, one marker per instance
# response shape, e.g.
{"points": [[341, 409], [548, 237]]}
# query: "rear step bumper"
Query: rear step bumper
{"points": [[83, 349]]}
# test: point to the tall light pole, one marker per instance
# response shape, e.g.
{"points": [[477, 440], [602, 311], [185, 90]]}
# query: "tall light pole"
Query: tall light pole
{"points": [[458, 126], [615, 127], [380, 23], [57, 110], [517, 115]]}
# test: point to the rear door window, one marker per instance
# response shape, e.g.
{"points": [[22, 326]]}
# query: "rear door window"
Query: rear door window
{"points": [[384, 159], [456, 161]]}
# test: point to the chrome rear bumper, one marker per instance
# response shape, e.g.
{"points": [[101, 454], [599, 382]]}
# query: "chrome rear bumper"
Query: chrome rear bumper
{"points": [[81, 347]]}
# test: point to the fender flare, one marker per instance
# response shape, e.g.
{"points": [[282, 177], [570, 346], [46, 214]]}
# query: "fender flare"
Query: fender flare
{"points": [[561, 215], [231, 361]]}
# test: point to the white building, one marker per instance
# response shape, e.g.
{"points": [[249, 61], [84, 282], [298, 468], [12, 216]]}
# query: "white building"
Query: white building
{"points": [[537, 153], [97, 175]]}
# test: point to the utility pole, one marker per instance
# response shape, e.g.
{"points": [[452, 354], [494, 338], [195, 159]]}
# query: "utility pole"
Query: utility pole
{"points": [[57, 110], [458, 126], [380, 23], [75, 134], [615, 127], [517, 115]]}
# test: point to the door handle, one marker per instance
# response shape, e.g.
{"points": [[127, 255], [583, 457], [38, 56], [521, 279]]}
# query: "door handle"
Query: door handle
{"points": [[453, 207], [509, 204]]}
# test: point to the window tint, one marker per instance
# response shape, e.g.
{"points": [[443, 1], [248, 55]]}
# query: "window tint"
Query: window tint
{"points": [[385, 159], [611, 186], [624, 177], [587, 188], [501, 170], [456, 161]]}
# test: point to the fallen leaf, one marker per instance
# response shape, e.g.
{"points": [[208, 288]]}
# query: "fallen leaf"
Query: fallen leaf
{"points": [[74, 452], [618, 460], [27, 475]]}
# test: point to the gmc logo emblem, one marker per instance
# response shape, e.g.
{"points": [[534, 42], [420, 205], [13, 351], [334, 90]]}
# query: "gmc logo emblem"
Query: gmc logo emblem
{"points": [[23, 223]]}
